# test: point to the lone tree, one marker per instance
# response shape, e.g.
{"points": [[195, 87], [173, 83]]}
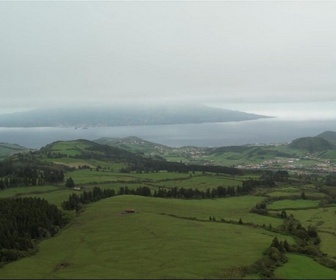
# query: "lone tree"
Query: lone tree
{"points": [[69, 183]]}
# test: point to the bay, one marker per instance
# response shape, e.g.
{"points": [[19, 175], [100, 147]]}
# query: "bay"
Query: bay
{"points": [[261, 131]]}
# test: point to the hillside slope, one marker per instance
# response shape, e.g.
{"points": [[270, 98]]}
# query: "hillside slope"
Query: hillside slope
{"points": [[330, 136], [7, 149], [311, 144]]}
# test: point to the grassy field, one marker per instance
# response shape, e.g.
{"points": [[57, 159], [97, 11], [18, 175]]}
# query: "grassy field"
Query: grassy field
{"points": [[302, 267], [324, 221], [31, 190], [104, 243], [292, 204], [167, 238]]}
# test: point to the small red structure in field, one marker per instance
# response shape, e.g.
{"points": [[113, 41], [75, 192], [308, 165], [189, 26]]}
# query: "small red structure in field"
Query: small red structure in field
{"points": [[129, 211]]}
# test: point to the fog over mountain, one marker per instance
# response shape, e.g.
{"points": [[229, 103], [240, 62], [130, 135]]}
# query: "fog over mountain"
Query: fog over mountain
{"points": [[56, 53], [122, 116]]}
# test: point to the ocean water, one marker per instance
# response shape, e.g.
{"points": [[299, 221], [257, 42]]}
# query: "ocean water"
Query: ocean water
{"points": [[261, 131]]}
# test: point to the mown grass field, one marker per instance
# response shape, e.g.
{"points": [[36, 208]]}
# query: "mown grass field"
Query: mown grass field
{"points": [[323, 219], [166, 238], [104, 243], [31, 190], [292, 204], [302, 267]]}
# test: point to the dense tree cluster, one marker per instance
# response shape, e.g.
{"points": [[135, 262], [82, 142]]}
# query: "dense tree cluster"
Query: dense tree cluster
{"points": [[307, 236], [273, 257], [24, 220], [152, 165], [270, 177], [75, 202], [330, 179], [31, 173]]}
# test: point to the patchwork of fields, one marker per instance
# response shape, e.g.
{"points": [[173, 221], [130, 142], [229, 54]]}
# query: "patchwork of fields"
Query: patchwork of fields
{"points": [[166, 238], [174, 237]]}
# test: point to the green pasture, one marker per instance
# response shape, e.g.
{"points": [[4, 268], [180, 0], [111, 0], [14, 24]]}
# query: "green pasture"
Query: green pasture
{"points": [[86, 176], [328, 241], [29, 190], [160, 179], [53, 194], [202, 182], [55, 197], [71, 162], [292, 204], [104, 243], [71, 148], [161, 176], [302, 267], [324, 220]]}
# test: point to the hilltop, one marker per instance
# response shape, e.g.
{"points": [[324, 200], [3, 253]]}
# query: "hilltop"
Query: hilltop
{"points": [[135, 153], [330, 136], [311, 144], [7, 149]]}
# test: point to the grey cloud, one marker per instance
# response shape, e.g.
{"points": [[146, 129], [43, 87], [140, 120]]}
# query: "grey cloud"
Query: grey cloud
{"points": [[219, 51]]}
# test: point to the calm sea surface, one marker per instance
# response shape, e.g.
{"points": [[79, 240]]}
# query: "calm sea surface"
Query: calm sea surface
{"points": [[203, 135]]}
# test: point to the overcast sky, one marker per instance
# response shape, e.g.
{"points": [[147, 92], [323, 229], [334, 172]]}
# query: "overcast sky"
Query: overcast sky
{"points": [[207, 52]]}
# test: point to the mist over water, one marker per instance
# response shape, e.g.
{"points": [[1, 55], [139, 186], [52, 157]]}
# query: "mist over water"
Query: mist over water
{"points": [[290, 111], [262, 131]]}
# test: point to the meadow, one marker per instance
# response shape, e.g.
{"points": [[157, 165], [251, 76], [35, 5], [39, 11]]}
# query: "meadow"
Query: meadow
{"points": [[170, 237], [102, 242], [165, 238]]}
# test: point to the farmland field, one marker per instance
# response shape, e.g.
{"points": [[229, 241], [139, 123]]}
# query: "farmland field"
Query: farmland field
{"points": [[103, 243], [304, 268], [185, 235]]}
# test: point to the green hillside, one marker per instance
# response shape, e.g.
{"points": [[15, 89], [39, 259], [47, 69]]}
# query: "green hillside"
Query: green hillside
{"points": [[190, 221], [105, 243], [311, 144], [330, 136], [7, 149], [136, 145]]}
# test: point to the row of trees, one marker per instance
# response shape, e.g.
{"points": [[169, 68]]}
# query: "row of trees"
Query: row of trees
{"points": [[28, 175], [181, 192], [75, 202], [153, 165], [24, 220]]}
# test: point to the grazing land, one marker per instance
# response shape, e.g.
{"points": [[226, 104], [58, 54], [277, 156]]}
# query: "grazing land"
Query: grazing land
{"points": [[189, 221]]}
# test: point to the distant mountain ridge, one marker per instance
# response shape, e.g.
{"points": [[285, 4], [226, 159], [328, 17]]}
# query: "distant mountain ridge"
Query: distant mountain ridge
{"points": [[322, 142], [330, 136], [7, 149], [311, 144], [135, 146], [123, 116]]}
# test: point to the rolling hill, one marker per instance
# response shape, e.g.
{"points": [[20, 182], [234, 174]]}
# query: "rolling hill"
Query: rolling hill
{"points": [[311, 144], [330, 136], [7, 149]]}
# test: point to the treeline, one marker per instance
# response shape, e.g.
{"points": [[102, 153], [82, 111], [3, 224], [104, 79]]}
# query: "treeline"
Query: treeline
{"points": [[137, 163], [30, 176], [75, 202], [94, 151], [29, 173], [218, 192], [22, 222], [151, 165]]}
